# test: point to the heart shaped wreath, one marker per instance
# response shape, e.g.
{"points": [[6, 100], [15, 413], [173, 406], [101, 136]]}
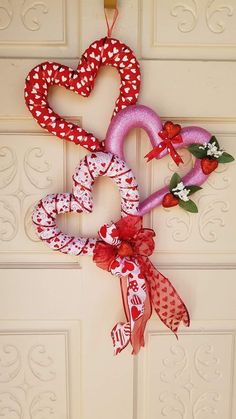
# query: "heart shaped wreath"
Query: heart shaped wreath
{"points": [[103, 52], [122, 248]]}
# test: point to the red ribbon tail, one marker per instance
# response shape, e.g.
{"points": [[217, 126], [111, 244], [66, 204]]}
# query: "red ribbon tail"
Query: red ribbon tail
{"points": [[165, 299], [121, 332], [155, 152], [137, 336], [124, 288], [120, 335], [174, 155]]}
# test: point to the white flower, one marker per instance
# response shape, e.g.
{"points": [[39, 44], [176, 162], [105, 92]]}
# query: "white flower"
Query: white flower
{"points": [[183, 195], [203, 146], [181, 191], [180, 186], [212, 150]]}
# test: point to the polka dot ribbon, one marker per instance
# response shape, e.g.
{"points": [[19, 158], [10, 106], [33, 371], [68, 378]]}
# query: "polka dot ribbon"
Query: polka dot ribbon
{"points": [[170, 135]]}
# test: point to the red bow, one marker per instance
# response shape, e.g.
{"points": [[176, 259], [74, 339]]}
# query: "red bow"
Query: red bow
{"points": [[123, 250], [170, 134]]}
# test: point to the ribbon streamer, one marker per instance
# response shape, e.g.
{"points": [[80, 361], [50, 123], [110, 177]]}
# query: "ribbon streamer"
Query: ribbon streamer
{"points": [[124, 250]]}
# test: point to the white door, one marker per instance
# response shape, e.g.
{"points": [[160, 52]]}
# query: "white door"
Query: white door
{"points": [[56, 311]]}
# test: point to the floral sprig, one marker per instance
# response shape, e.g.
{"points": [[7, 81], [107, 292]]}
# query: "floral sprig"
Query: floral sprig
{"points": [[210, 154], [179, 194]]}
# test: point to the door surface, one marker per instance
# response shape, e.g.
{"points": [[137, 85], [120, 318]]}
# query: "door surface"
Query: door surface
{"points": [[56, 311]]}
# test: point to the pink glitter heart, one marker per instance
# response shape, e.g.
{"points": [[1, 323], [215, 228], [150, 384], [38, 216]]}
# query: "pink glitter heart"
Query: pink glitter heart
{"points": [[139, 116]]}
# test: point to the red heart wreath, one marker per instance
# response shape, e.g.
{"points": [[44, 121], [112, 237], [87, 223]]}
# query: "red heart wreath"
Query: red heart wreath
{"points": [[106, 51]]}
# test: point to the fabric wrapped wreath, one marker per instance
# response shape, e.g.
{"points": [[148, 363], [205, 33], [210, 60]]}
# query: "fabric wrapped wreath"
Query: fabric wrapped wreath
{"points": [[123, 248], [102, 52]]}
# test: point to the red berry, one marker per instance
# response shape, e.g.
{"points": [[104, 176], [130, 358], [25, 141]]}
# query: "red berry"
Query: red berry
{"points": [[170, 200], [172, 129], [208, 165]]}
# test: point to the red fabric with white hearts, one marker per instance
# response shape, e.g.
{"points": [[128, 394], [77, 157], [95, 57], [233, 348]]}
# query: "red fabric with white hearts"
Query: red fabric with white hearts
{"points": [[106, 51], [92, 166], [124, 251]]}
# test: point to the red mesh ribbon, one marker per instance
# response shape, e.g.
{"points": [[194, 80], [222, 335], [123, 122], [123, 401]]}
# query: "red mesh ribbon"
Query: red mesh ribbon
{"points": [[170, 135], [124, 250]]}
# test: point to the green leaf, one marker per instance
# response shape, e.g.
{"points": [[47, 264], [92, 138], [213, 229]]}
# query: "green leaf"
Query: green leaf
{"points": [[214, 140], [225, 158], [193, 189], [189, 206], [174, 181], [196, 151]]}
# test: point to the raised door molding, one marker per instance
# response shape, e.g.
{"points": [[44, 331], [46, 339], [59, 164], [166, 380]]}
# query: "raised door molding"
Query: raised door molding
{"points": [[28, 173], [193, 377], [31, 28], [191, 29], [39, 369]]}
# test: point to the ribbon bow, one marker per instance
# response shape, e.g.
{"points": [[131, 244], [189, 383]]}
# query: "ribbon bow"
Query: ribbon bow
{"points": [[123, 250], [170, 135]]}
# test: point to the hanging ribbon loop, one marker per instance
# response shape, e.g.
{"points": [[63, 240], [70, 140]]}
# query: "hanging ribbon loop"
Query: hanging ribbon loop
{"points": [[114, 18]]}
